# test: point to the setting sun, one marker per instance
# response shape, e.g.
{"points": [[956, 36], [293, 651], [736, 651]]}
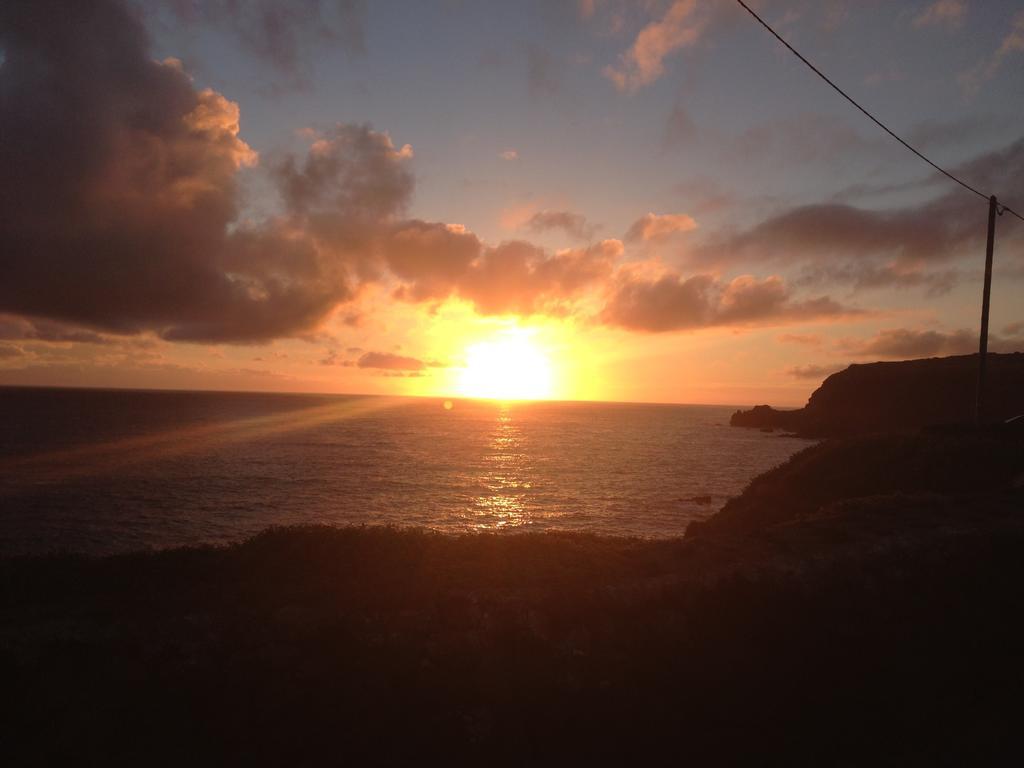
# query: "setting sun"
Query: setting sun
{"points": [[510, 367]]}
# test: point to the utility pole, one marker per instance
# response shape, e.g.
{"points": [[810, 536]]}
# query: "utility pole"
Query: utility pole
{"points": [[979, 413]]}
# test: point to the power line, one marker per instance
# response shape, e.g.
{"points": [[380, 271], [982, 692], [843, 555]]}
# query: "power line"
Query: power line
{"points": [[1000, 208]]}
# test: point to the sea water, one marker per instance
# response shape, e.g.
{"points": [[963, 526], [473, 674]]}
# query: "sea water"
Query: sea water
{"points": [[102, 471]]}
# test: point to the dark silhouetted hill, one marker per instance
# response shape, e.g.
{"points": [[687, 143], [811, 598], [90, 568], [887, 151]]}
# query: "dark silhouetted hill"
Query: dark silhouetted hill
{"points": [[905, 396]]}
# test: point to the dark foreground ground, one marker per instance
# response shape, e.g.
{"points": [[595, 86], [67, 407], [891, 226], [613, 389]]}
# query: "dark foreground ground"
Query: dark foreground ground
{"points": [[863, 604]]}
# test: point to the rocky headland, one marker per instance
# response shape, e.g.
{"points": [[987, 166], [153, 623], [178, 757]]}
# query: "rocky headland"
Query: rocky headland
{"points": [[899, 397]]}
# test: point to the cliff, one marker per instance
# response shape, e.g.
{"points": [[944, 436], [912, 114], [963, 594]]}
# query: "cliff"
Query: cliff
{"points": [[899, 397]]}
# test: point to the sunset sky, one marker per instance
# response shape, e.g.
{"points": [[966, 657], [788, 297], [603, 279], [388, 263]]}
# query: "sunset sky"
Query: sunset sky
{"points": [[650, 201]]}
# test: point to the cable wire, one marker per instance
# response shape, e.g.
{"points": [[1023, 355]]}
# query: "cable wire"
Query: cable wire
{"points": [[1000, 208]]}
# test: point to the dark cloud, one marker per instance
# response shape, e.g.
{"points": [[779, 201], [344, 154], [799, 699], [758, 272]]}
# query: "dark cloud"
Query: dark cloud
{"points": [[817, 372], [22, 329], [899, 247], [381, 361], [864, 274], [387, 361], [435, 261], [672, 303], [119, 205], [351, 169], [904, 343], [573, 224], [680, 130], [543, 72], [125, 215], [431, 259], [934, 134], [832, 230], [281, 32]]}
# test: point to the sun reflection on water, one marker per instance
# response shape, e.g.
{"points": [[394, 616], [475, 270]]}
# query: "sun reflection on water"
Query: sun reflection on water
{"points": [[505, 476]]}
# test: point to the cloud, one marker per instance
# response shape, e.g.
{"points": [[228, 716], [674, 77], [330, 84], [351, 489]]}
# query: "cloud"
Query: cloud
{"points": [[680, 130], [905, 343], [643, 63], [865, 275], [652, 226], [985, 70], [121, 214], [121, 209], [23, 329], [543, 72], [802, 339], [573, 224], [429, 258], [508, 154], [285, 34], [519, 278], [671, 303], [946, 13], [901, 247], [386, 361], [11, 351], [350, 168], [437, 261], [816, 372]]}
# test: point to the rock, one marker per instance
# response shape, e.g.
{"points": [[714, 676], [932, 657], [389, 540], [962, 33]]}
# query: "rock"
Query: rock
{"points": [[766, 418]]}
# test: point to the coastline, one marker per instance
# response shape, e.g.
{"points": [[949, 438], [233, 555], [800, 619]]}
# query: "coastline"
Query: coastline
{"points": [[880, 616]]}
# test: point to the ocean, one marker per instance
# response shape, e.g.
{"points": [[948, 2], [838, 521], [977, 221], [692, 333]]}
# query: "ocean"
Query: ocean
{"points": [[103, 471]]}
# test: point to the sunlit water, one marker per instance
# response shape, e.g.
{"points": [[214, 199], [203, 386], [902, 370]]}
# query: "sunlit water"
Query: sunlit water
{"points": [[104, 471]]}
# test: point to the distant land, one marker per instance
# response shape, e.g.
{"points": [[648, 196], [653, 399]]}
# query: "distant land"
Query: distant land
{"points": [[877, 398]]}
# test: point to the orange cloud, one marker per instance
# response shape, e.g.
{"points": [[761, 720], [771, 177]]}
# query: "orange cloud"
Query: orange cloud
{"points": [[652, 226], [643, 63]]}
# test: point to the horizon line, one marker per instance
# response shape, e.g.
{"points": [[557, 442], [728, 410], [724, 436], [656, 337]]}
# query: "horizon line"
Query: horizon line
{"points": [[155, 390]]}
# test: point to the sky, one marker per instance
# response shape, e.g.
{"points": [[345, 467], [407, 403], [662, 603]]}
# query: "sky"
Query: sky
{"points": [[586, 199]]}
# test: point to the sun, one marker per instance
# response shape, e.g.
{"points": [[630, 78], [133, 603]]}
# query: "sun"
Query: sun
{"points": [[509, 367]]}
